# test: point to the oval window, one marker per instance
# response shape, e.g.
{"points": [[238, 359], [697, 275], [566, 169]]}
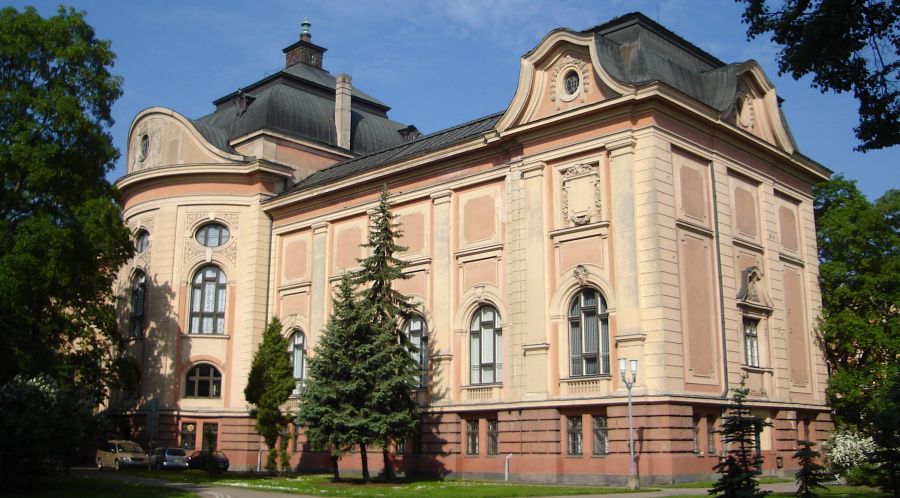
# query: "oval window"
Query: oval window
{"points": [[145, 146], [142, 241], [572, 81], [212, 235]]}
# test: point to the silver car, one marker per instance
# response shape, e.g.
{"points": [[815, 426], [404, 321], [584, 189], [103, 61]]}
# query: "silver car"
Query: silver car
{"points": [[168, 458]]}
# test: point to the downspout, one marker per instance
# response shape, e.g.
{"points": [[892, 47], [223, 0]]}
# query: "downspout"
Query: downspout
{"points": [[721, 284]]}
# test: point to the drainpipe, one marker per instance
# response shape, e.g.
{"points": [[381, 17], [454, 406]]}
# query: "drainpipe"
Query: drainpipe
{"points": [[506, 468]]}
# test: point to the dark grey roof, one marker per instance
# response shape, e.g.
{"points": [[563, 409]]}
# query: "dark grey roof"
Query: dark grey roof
{"points": [[419, 146], [636, 50], [299, 102]]}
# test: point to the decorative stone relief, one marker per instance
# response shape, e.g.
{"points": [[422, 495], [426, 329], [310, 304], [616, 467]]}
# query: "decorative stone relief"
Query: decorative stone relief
{"points": [[567, 63], [753, 291], [743, 110], [581, 199], [581, 274], [193, 251]]}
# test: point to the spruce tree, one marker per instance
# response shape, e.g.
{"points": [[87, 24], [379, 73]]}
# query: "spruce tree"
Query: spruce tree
{"points": [[392, 406], [269, 385], [333, 408], [739, 468], [810, 475]]}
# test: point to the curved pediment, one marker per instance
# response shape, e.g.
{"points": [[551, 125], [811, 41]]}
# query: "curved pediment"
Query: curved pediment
{"points": [[562, 73], [162, 137], [755, 108]]}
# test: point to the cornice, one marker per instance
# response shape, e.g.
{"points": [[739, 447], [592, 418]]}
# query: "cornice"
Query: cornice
{"points": [[168, 173]]}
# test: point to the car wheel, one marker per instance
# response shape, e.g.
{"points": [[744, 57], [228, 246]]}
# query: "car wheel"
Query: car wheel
{"points": [[116, 464], [99, 464]]}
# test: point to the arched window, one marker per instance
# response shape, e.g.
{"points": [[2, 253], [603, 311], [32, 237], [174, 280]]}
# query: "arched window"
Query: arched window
{"points": [[138, 297], [588, 334], [297, 352], [208, 301], [203, 381], [417, 331], [141, 241], [212, 235], [485, 347]]}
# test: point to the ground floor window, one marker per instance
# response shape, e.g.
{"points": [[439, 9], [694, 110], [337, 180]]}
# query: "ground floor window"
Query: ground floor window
{"points": [[188, 435], [471, 437], [576, 435], [210, 436], [711, 434], [493, 437], [695, 429], [601, 435]]}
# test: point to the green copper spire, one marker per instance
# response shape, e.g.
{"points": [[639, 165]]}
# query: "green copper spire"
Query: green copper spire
{"points": [[305, 25]]}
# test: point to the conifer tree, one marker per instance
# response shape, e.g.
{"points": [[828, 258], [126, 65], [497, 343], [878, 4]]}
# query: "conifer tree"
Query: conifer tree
{"points": [[739, 468], [392, 406], [333, 408], [269, 385], [810, 475]]}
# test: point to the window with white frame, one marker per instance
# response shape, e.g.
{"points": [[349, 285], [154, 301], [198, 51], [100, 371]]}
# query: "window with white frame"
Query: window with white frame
{"points": [[208, 301], [138, 304], [485, 347], [203, 381], [417, 331], [588, 335], [751, 342], [297, 352]]}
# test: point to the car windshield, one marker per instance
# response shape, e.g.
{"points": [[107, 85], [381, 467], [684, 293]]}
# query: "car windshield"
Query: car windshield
{"points": [[175, 452], [130, 448], [220, 454]]}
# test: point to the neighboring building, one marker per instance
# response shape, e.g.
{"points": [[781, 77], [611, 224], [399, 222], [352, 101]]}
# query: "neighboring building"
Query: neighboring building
{"points": [[638, 199]]}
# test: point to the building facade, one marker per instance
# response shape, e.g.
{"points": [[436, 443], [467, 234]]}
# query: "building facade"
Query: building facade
{"points": [[639, 199]]}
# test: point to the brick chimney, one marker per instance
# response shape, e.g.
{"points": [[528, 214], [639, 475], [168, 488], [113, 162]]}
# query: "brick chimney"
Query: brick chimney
{"points": [[304, 51], [342, 93]]}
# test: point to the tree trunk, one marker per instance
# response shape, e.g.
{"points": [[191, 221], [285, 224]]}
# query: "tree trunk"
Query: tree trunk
{"points": [[365, 461], [334, 468], [388, 468]]}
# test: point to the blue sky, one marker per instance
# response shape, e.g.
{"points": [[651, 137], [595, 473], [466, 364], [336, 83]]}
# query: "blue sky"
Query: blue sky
{"points": [[436, 64]]}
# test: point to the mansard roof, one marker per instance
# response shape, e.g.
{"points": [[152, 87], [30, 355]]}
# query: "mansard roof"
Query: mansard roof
{"points": [[298, 102]]}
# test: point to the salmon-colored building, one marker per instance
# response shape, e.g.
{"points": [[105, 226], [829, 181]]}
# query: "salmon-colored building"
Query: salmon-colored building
{"points": [[638, 199]]}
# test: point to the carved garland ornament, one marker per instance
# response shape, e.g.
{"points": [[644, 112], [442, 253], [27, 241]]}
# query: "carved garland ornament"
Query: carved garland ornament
{"points": [[193, 251], [581, 173], [560, 70]]}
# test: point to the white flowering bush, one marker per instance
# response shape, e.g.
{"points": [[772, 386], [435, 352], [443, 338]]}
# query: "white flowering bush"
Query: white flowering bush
{"points": [[848, 449]]}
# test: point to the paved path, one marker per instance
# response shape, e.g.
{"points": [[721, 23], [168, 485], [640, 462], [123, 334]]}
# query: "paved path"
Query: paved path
{"points": [[207, 491]]}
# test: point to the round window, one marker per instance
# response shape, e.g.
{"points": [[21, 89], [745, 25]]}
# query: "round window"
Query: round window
{"points": [[145, 146], [142, 241], [212, 235], [572, 81]]}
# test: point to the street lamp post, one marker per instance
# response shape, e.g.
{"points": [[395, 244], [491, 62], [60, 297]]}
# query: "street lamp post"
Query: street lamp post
{"points": [[633, 482]]}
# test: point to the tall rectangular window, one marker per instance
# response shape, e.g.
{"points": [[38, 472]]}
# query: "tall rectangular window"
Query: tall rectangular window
{"points": [[751, 342], [601, 435], [188, 436], [711, 434], [695, 429], [493, 437], [576, 435], [471, 437], [210, 440]]}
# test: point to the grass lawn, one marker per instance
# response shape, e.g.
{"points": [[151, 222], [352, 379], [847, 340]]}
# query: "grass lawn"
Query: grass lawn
{"points": [[321, 485], [831, 492], [80, 487], [709, 484]]}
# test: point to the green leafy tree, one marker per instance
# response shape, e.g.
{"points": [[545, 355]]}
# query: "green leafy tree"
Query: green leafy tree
{"points": [[847, 46], [269, 385], [741, 465], [62, 240], [859, 327], [810, 476], [392, 406], [334, 402]]}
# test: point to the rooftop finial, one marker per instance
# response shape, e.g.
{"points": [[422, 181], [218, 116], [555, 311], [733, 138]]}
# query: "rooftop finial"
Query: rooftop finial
{"points": [[304, 33]]}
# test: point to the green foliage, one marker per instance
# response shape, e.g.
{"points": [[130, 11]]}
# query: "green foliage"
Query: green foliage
{"points": [[269, 386], [847, 46], [393, 411], [810, 475], [333, 408], [741, 465], [43, 427], [62, 240], [859, 255]]}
